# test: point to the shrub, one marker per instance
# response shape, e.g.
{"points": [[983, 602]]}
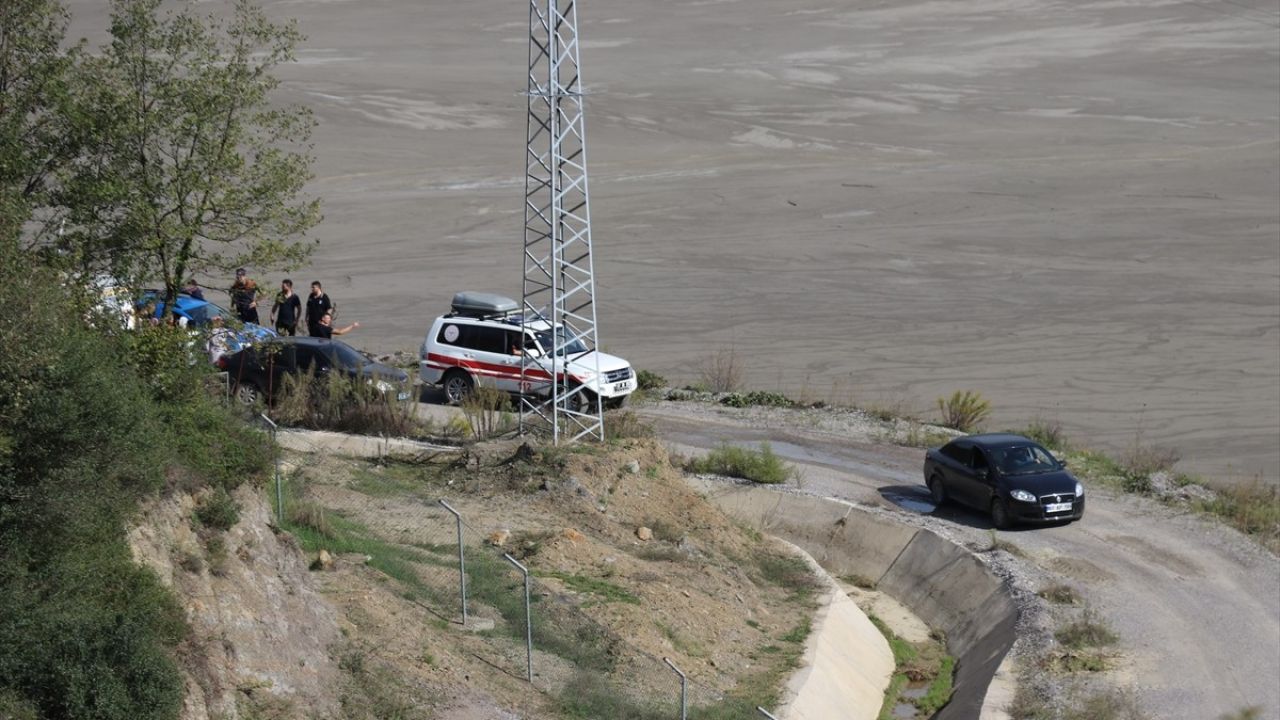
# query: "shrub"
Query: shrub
{"points": [[757, 397], [647, 380], [722, 372], [337, 402], [89, 428], [1046, 432], [761, 466], [1252, 508], [1060, 594], [488, 411], [1087, 632], [218, 510], [1140, 461], [625, 425], [965, 410]]}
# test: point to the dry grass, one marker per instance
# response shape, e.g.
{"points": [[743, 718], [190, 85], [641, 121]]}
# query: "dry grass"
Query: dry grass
{"points": [[1252, 508], [488, 412], [722, 372], [1061, 594]]}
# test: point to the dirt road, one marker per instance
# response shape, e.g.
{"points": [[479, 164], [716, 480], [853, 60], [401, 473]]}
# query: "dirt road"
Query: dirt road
{"points": [[1196, 605]]}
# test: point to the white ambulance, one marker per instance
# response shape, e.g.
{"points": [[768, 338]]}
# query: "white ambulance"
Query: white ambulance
{"points": [[481, 342]]}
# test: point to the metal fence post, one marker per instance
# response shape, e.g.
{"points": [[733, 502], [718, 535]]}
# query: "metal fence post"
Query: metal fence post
{"points": [[766, 713], [462, 562], [684, 705], [528, 617], [275, 452]]}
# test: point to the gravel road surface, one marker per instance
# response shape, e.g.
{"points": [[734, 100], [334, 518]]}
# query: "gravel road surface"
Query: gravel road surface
{"points": [[1196, 605]]}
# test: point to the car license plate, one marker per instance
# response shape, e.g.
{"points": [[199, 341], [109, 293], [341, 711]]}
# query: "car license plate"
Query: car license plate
{"points": [[624, 385], [1057, 507], [402, 395]]}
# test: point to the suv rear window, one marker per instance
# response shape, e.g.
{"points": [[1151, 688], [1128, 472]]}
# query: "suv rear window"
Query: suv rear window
{"points": [[474, 337]]}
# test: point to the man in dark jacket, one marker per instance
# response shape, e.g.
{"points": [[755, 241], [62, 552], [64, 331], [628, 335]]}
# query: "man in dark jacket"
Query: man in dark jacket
{"points": [[286, 311], [318, 305]]}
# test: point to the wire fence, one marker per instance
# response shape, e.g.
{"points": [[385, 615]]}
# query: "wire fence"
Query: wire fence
{"points": [[530, 626]]}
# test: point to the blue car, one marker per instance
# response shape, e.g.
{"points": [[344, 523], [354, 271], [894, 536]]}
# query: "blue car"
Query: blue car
{"points": [[199, 314]]}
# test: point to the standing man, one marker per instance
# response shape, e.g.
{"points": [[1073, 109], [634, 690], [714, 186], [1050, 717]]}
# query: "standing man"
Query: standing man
{"points": [[286, 311], [326, 329], [318, 305], [244, 297]]}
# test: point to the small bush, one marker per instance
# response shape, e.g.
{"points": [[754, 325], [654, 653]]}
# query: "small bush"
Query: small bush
{"points": [[1060, 594], [625, 425], [1087, 632], [1140, 461], [488, 412], [218, 510], [761, 466], [964, 410], [647, 380], [1252, 508], [757, 397], [336, 402], [722, 372], [1046, 432]]}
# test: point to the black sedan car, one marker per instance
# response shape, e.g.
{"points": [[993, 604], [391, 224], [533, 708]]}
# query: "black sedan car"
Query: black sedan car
{"points": [[1009, 476], [257, 372]]}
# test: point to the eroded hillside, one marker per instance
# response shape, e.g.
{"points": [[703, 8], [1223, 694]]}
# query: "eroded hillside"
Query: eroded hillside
{"points": [[629, 566]]}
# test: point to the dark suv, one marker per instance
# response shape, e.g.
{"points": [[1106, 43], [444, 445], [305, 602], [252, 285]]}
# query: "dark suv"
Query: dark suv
{"points": [[1007, 475], [257, 372]]}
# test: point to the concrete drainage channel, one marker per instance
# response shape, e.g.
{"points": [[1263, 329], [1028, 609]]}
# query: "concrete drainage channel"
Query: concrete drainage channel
{"points": [[941, 582]]}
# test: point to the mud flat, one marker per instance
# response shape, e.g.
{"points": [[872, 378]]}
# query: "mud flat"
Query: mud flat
{"points": [[1069, 207]]}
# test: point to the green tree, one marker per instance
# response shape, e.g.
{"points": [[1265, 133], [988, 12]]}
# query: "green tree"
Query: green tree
{"points": [[36, 139], [193, 169]]}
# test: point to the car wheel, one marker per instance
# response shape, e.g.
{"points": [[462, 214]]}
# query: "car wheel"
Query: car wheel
{"points": [[937, 490], [247, 394], [457, 386], [1000, 514]]}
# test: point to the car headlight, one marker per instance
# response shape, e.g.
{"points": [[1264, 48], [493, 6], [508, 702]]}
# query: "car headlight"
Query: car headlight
{"points": [[383, 386], [1022, 496], [1079, 490]]}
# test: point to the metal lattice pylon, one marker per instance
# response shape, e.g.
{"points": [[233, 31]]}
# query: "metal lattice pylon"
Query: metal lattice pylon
{"points": [[559, 284]]}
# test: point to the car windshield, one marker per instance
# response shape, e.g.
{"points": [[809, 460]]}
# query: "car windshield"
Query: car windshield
{"points": [[347, 356], [1024, 460], [202, 315], [572, 346]]}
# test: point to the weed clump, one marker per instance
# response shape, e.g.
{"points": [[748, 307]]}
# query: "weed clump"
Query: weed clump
{"points": [[1087, 632], [218, 510], [762, 466], [757, 397], [965, 410], [648, 380], [1060, 594], [722, 372]]}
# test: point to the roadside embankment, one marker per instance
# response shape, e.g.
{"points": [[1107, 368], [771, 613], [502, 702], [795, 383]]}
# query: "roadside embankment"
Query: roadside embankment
{"points": [[941, 582]]}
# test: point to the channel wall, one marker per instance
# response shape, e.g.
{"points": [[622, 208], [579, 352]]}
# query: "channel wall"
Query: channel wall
{"points": [[941, 582]]}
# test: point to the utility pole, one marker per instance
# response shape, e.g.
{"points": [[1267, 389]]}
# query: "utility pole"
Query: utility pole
{"points": [[559, 282]]}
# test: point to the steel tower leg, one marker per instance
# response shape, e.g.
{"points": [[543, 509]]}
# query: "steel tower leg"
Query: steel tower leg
{"points": [[559, 283]]}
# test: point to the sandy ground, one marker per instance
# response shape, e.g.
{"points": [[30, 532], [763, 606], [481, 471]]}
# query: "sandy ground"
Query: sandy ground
{"points": [[1194, 603], [1069, 207]]}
